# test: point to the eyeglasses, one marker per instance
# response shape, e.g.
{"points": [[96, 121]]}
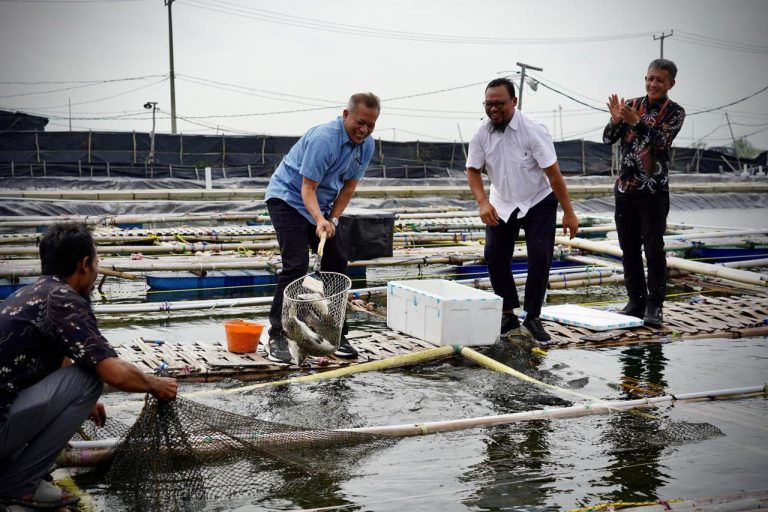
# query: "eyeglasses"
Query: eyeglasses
{"points": [[498, 104]]}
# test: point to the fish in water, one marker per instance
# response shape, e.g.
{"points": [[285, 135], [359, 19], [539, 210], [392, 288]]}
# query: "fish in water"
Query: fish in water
{"points": [[308, 333]]}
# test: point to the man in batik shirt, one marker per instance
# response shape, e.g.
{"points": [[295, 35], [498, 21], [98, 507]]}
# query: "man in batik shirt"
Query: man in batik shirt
{"points": [[646, 127], [53, 365]]}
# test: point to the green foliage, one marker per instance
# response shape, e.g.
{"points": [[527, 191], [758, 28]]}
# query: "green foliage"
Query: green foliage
{"points": [[745, 149]]}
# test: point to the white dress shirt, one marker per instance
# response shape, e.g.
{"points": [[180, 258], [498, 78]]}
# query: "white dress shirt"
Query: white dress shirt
{"points": [[514, 159]]}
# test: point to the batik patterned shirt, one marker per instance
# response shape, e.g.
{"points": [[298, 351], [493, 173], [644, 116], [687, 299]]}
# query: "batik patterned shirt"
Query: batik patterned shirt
{"points": [[40, 325], [645, 147]]}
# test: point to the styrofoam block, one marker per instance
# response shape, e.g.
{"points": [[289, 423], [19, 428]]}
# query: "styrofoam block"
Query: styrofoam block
{"points": [[593, 319], [443, 312]]}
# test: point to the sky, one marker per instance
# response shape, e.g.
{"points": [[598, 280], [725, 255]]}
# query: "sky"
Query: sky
{"points": [[279, 68]]}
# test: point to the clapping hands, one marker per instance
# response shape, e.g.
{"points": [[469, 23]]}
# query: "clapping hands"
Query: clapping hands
{"points": [[624, 111]]}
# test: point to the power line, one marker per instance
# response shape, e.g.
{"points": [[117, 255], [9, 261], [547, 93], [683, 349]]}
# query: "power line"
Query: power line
{"points": [[435, 92], [570, 97], [79, 86], [257, 90], [69, 1], [280, 18], [61, 82], [712, 42], [731, 103]]}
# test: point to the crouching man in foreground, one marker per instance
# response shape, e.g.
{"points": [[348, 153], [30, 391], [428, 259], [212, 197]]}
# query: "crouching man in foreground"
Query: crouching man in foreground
{"points": [[53, 365]]}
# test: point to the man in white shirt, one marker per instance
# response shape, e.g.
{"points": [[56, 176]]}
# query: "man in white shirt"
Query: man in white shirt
{"points": [[526, 185]]}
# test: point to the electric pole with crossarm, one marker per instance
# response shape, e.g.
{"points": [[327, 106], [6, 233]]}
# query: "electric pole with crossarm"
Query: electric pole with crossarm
{"points": [[661, 40]]}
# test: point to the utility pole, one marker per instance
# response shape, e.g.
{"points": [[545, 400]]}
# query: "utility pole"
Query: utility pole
{"points": [[151, 158], [661, 40], [523, 67], [173, 76], [735, 148]]}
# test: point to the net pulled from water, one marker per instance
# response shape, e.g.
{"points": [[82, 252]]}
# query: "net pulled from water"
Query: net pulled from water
{"points": [[183, 455], [313, 320]]}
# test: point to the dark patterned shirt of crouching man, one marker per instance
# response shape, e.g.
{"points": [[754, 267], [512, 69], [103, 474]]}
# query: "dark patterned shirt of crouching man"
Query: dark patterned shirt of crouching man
{"points": [[645, 147], [40, 325]]}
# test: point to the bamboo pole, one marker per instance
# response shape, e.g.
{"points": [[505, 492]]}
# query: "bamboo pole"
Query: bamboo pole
{"points": [[167, 248], [697, 267], [92, 452], [365, 191], [161, 307], [112, 220], [116, 273], [383, 364], [760, 262], [488, 362], [575, 411], [717, 234]]}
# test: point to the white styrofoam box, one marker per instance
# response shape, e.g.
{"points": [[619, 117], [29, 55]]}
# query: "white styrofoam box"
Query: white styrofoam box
{"points": [[443, 312], [593, 319]]}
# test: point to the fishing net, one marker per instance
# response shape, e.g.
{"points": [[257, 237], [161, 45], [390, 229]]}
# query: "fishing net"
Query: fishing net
{"points": [[314, 320], [642, 428], [183, 455]]}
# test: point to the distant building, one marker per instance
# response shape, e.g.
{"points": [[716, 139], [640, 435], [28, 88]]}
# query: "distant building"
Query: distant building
{"points": [[21, 122]]}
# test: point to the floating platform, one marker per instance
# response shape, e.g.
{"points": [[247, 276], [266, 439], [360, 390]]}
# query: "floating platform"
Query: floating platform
{"points": [[9, 286], [211, 361], [708, 317], [518, 266], [181, 280]]}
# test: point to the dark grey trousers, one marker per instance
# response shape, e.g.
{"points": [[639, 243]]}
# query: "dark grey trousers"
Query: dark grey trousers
{"points": [[39, 423]]}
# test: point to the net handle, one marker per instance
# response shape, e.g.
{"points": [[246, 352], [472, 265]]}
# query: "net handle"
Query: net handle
{"points": [[321, 245]]}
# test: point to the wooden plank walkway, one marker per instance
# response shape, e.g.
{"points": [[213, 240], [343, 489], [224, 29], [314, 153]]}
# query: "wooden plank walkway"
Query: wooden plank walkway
{"points": [[211, 361], [705, 317], [731, 317]]}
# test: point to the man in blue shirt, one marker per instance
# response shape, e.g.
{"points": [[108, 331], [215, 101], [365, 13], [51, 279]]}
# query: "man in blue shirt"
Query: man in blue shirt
{"points": [[306, 196]]}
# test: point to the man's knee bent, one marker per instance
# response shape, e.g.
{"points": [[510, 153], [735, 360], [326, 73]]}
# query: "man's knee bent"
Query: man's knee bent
{"points": [[89, 381]]}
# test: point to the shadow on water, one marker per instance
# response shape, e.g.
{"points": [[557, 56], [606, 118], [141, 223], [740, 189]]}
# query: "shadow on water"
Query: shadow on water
{"points": [[634, 467]]}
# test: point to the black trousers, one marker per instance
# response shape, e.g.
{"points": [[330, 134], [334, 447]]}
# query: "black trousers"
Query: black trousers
{"points": [[296, 235], [539, 226], [641, 221]]}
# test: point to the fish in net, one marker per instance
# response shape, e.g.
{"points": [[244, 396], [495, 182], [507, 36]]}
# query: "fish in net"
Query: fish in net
{"points": [[313, 321], [183, 456]]}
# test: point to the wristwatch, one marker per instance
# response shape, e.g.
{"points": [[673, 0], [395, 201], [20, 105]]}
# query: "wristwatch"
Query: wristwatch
{"points": [[335, 221]]}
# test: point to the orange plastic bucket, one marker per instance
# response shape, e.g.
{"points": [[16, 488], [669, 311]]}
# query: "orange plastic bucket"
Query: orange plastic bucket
{"points": [[242, 335]]}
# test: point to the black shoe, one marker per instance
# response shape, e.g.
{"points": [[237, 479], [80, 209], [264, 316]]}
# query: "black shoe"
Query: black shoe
{"points": [[634, 308], [277, 348], [653, 316], [345, 350], [536, 329], [509, 324]]}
